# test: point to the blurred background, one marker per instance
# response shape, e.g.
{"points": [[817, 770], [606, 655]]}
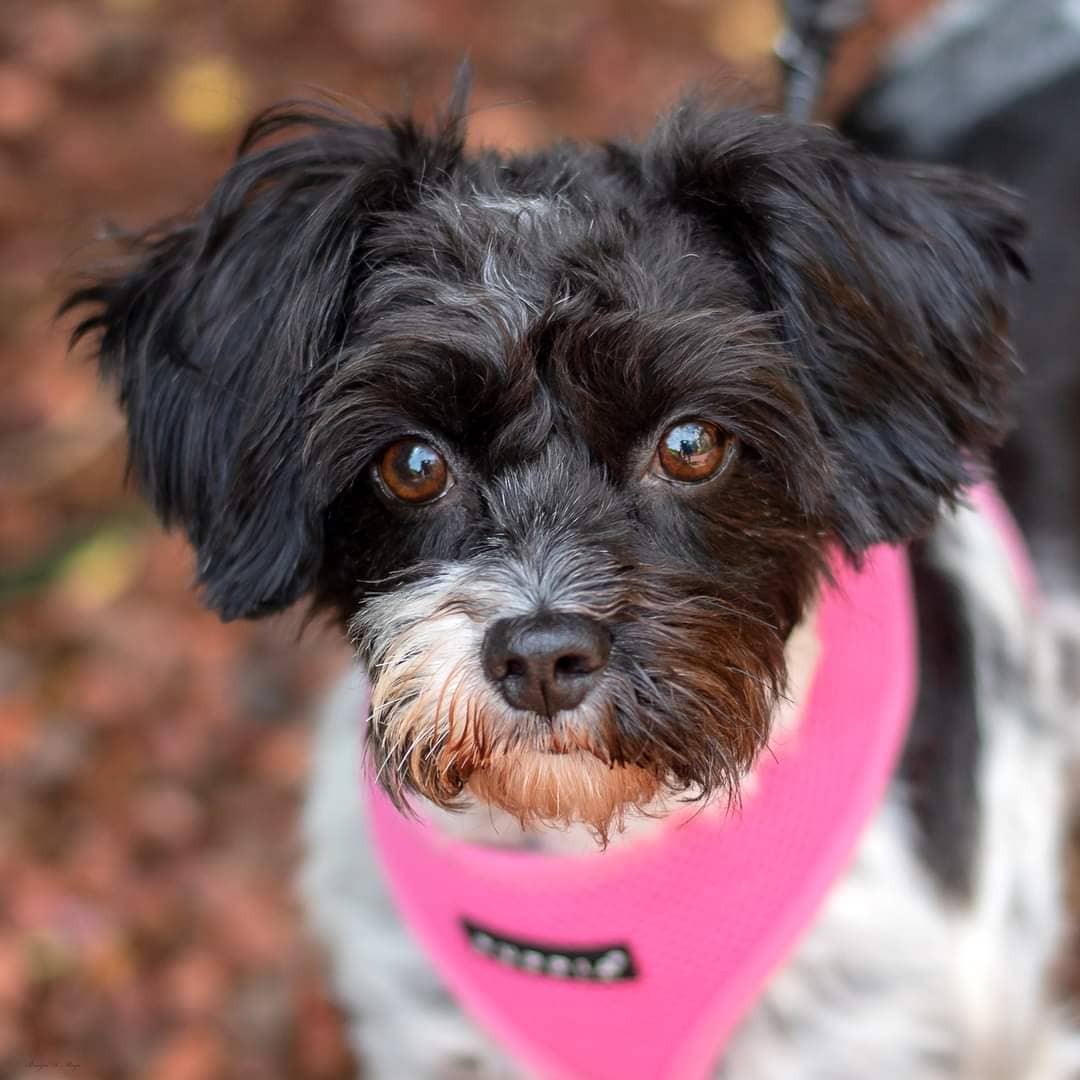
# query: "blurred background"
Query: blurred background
{"points": [[152, 760]]}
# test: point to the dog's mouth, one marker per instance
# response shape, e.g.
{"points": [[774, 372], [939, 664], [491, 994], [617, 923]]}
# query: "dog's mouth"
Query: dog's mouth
{"points": [[597, 765], [562, 735]]}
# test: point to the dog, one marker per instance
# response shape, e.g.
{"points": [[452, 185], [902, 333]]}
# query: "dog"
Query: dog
{"points": [[594, 453]]}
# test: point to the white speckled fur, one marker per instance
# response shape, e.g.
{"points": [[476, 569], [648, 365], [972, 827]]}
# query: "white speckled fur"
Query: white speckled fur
{"points": [[893, 981]]}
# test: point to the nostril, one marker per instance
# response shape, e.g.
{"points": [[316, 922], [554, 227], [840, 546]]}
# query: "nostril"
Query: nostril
{"points": [[515, 666], [576, 664]]}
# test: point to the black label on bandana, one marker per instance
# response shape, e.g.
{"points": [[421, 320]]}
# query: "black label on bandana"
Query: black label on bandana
{"points": [[607, 964]]}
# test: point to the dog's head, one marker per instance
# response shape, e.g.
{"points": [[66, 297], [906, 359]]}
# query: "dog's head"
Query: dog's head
{"points": [[563, 439]]}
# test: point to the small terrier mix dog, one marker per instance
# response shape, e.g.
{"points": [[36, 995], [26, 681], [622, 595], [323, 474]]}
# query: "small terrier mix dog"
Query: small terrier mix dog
{"points": [[577, 446]]}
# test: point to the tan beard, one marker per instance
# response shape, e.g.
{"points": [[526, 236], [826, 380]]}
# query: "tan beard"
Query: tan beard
{"points": [[541, 789]]}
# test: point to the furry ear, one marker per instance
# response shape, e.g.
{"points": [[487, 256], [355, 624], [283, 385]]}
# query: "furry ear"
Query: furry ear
{"points": [[218, 332], [888, 283]]}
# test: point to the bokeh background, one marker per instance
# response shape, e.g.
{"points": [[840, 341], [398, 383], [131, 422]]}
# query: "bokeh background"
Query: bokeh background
{"points": [[152, 760]]}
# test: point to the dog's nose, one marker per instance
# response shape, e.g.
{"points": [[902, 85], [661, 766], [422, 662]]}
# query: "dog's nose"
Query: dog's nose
{"points": [[546, 663]]}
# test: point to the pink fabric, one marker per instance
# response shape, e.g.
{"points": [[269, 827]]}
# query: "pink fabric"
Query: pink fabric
{"points": [[709, 907]]}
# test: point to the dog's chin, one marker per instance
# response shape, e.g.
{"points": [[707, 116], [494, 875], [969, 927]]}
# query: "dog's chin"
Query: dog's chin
{"points": [[548, 789]]}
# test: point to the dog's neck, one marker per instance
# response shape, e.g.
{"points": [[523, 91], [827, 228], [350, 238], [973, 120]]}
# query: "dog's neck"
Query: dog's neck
{"points": [[481, 824]]}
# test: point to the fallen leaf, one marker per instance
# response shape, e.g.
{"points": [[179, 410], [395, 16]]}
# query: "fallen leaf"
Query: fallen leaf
{"points": [[100, 569], [207, 96]]}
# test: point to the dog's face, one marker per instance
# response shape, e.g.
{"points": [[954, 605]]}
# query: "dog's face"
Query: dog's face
{"points": [[565, 440]]}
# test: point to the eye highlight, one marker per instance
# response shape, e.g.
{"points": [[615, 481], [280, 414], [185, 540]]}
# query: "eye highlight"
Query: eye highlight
{"points": [[414, 472], [693, 451]]}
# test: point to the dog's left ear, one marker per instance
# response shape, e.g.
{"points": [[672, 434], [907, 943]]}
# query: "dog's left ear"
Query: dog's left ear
{"points": [[888, 283]]}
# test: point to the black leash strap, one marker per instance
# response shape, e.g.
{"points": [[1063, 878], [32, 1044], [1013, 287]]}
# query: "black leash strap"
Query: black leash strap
{"points": [[805, 47]]}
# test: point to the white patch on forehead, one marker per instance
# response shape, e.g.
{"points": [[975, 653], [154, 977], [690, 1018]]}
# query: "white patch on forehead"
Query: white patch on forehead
{"points": [[497, 294], [529, 209], [497, 278], [505, 287]]}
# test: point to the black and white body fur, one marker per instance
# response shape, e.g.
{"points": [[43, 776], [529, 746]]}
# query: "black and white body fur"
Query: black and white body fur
{"points": [[607, 409]]}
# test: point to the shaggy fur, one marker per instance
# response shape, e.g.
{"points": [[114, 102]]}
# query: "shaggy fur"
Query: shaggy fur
{"points": [[540, 322]]}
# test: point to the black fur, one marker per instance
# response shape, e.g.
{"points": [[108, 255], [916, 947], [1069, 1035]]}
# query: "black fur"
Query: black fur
{"points": [[941, 758], [541, 319]]}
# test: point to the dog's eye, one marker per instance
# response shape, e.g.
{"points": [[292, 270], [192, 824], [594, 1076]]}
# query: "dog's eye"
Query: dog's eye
{"points": [[692, 451], [414, 472]]}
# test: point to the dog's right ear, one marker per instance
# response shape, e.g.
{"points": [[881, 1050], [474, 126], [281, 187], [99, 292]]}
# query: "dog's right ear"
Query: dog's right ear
{"points": [[219, 330], [889, 286]]}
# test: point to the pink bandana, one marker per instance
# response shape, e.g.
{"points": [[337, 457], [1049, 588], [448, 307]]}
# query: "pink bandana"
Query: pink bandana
{"points": [[639, 961]]}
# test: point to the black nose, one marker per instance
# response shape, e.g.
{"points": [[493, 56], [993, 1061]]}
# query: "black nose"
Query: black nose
{"points": [[546, 663]]}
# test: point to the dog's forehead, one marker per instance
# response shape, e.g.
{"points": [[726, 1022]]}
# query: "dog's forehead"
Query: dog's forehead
{"points": [[475, 238], [524, 317], [506, 250], [534, 211], [536, 246]]}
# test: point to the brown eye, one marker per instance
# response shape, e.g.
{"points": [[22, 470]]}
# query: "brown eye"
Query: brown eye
{"points": [[414, 472], [692, 451]]}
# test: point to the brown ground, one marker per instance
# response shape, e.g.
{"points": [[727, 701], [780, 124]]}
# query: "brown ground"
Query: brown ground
{"points": [[151, 759]]}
